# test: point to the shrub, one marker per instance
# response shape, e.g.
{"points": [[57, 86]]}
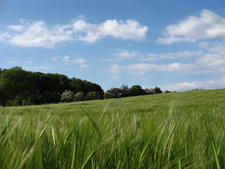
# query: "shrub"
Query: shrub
{"points": [[108, 95], [26, 102], [92, 95], [79, 96], [67, 96], [167, 91]]}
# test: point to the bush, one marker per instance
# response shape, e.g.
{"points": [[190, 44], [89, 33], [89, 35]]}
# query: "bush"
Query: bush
{"points": [[92, 95], [135, 90], [15, 102], [79, 96], [108, 95], [26, 102], [167, 91], [67, 96], [157, 90]]}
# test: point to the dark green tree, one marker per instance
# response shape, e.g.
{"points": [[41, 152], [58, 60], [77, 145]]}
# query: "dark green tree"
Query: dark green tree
{"points": [[92, 95], [79, 96], [135, 90]]}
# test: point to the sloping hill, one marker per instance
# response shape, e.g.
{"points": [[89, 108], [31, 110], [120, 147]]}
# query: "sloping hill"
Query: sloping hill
{"points": [[175, 130]]}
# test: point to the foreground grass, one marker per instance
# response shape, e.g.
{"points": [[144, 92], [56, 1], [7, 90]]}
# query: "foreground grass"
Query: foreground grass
{"points": [[177, 130]]}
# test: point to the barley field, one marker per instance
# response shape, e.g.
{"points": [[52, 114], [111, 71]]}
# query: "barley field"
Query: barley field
{"points": [[170, 130]]}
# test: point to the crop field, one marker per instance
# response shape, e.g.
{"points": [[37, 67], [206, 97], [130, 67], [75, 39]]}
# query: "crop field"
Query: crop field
{"points": [[170, 130]]}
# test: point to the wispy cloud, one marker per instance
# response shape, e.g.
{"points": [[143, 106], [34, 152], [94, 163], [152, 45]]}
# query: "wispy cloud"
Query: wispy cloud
{"points": [[114, 69], [206, 26], [125, 54], [114, 77], [172, 55], [122, 55], [144, 67], [30, 65], [39, 34], [214, 57], [210, 84], [69, 60]]}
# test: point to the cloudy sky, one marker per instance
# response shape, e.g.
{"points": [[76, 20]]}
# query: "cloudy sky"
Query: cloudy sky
{"points": [[174, 44]]}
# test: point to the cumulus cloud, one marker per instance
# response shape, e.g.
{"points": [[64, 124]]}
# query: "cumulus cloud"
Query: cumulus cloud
{"points": [[39, 34], [129, 29], [210, 84], [206, 26]]}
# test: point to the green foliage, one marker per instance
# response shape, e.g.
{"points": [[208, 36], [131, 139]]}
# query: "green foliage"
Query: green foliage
{"points": [[113, 93], [155, 90], [15, 102], [26, 102], [39, 88], [125, 91], [108, 95], [137, 90], [80, 96], [92, 95], [177, 130], [67, 96]]}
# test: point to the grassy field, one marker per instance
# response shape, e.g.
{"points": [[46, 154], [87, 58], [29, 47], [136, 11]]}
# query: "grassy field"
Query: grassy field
{"points": [[175, 130]]}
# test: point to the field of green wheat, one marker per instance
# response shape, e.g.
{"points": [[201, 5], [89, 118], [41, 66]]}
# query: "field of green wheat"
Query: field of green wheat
{"points": [[173, 130]]}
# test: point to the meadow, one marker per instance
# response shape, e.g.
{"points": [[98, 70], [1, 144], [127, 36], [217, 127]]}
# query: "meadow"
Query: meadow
{"points": [[169, 130]]}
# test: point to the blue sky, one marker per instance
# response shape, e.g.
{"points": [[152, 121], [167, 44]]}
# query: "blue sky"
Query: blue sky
{"points": [[174, 44]]}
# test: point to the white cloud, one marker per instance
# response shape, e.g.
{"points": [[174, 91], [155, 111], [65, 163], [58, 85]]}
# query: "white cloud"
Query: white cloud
{"points": [[4, 36], [144, 67], [211, 84], [214, 58], [171, 39], [174, 55], [79, 60], [129, 29], [213, 47], [16, 28], [124, 55], [208, 25], [114, 69], [68, 60], [115, 78], [39, 34], [20, 62]]}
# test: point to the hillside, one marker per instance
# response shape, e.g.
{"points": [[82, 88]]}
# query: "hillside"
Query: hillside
{"points": [[174, 130], [202, 99]]}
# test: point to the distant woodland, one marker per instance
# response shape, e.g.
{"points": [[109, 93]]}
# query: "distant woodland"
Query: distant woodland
{"points": [[21, 87]]}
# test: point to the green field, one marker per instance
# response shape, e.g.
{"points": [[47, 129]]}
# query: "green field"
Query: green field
{"points": [[174, 130]]}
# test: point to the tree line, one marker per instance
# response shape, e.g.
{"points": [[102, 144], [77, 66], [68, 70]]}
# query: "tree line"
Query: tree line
{"points": [[125, 91], [21, 87]]}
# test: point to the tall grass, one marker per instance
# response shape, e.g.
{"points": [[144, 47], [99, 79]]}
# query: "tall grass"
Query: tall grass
{"points": [[160, 131]]}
